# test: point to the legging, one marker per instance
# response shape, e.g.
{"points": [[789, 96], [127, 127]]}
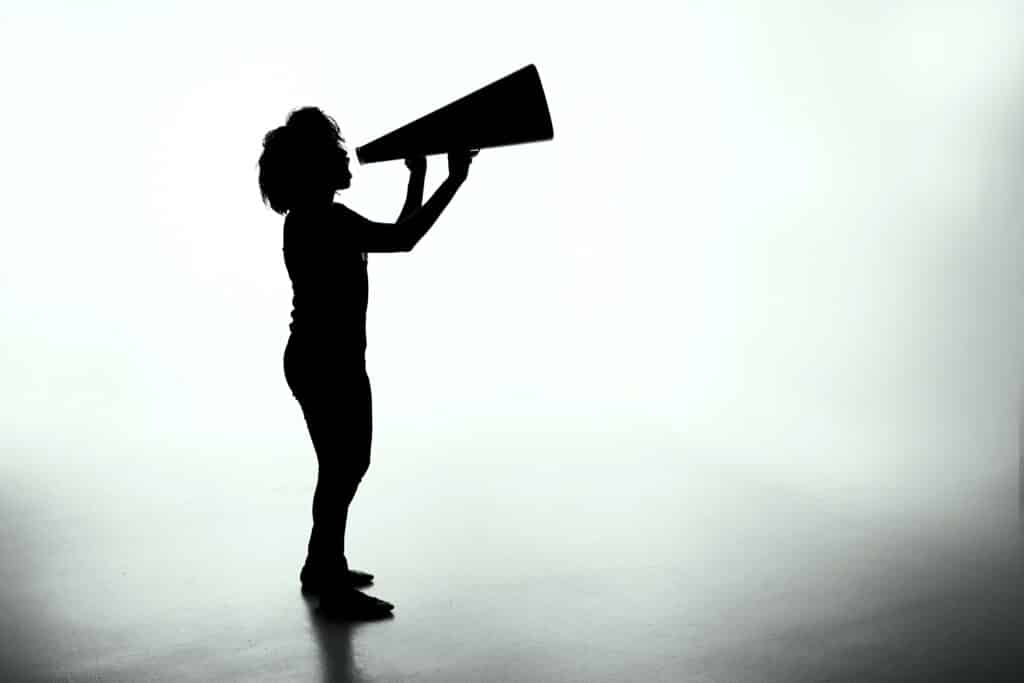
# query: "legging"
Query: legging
{"points": [[333, 390]]}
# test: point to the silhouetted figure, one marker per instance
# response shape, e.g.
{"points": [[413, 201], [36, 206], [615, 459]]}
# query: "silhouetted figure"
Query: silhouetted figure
{"points": [[303, 164]]}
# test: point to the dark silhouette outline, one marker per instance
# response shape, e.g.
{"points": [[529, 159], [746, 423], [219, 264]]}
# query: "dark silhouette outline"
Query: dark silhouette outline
{"points": [[303, 164]]}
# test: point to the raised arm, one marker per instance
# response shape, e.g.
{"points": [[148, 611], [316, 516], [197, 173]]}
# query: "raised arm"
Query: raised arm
{"points": [[414, 194], [367, 235]]}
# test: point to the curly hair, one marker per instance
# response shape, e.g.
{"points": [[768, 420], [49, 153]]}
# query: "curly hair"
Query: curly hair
{"points": [[298, 158]]}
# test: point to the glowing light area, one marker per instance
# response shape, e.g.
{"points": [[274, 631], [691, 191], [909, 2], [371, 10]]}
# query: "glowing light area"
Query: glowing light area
{"points": [[731, 366], [782, 236]]}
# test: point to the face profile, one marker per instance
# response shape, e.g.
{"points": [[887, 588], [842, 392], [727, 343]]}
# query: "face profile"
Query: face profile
{"points": [[344, 173]]}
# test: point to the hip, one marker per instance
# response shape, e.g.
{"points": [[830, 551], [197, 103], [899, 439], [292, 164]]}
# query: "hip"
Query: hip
{"points": [[323, 360]]}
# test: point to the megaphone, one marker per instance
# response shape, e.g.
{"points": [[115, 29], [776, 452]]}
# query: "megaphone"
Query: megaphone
{"points": [[509, 111]]}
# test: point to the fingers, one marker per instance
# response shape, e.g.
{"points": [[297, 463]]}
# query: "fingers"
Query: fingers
{"points": [[416, 163], [459, 162]]}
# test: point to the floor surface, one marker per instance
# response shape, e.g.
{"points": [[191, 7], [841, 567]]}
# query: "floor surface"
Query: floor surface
{"points": [[165, 569]]}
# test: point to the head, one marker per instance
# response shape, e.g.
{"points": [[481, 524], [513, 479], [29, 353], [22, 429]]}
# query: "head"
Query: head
{"points": [[303, 161]]}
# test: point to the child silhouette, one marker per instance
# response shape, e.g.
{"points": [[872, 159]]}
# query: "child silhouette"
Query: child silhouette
{"points": [[303, 165]]}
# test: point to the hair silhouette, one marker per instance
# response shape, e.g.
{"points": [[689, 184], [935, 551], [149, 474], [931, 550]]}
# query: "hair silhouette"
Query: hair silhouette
{"points": [[300, 158]]}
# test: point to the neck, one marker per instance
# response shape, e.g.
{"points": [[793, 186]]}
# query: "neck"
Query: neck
{"points": [[317, 201]]}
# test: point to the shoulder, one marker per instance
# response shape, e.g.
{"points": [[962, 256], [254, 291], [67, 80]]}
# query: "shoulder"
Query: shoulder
{"points": [[304, 215], [293, 224], [307, 221], [301, 228], [321, 228]]}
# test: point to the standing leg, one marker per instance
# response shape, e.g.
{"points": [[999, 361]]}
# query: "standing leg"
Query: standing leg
{"points": [[342, 442], [337, 408], [340, 426]]}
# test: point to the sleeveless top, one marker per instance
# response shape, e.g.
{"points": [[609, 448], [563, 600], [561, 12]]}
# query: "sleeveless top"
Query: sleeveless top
{"points": [[329, 281]]}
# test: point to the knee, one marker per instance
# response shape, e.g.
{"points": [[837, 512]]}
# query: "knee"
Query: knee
{"points": [[346, 469], [360, 465]]}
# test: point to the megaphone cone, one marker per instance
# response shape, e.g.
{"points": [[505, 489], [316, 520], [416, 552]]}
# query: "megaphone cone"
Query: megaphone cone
{"points": [[509, 111]]}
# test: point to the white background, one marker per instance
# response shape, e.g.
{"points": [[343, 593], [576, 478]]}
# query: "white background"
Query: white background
{"points": [[782, 237]]}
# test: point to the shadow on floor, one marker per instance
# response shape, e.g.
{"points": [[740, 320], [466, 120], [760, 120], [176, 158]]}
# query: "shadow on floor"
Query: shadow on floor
{"points": [[334, 639]]}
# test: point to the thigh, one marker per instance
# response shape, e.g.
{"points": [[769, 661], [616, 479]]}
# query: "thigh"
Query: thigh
{"points": [[342, 400], [338, 413], [317, 370]]}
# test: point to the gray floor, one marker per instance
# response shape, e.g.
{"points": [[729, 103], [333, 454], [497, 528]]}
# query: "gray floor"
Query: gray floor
{"points": [[127, 568]]}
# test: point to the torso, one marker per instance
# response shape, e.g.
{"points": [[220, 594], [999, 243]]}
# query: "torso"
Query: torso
{"points": [[329, 282]]}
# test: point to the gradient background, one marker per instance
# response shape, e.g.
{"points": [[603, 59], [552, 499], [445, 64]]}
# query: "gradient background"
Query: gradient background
{"points": [[778, 241]]}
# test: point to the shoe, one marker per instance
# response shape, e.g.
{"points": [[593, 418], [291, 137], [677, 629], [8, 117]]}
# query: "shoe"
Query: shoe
{"points": [[316, 581], [352, 605], [358, 579]]}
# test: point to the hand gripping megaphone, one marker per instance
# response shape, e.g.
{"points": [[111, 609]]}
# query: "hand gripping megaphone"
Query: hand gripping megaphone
{"points": [[509, 111]]}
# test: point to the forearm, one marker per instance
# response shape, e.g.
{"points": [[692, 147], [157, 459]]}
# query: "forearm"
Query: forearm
{"points": [[420, 221], [413, 195]]}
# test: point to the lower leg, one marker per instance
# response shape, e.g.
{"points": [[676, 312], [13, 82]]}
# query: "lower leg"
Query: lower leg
{"points": [[330, 517], [326, 563], [343, 455]]}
